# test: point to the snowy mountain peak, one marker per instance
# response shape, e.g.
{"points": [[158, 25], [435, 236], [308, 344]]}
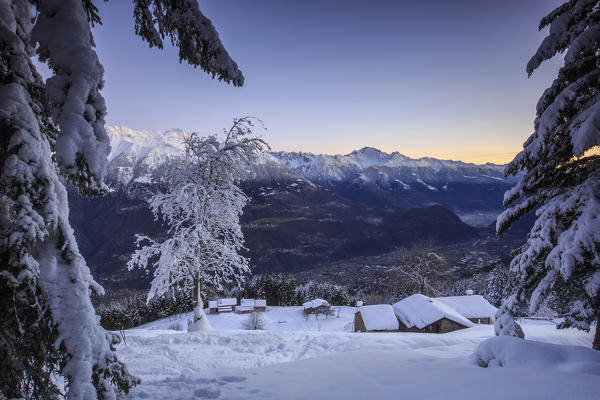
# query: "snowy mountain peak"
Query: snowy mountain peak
{"points": [[369, 156], [370, 153], [142, 143], [136, 152], [371, 165]]}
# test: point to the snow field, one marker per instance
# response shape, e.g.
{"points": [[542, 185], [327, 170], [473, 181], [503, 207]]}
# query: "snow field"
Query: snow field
{"points": [[293, 360]]}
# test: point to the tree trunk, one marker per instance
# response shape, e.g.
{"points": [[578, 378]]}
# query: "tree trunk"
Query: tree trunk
{"points": [[200, 322], [196, 295], [596, 345], [198, 304]]}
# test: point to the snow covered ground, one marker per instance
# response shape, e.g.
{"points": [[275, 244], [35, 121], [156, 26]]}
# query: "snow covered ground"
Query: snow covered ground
{"points": [[299, 358]]}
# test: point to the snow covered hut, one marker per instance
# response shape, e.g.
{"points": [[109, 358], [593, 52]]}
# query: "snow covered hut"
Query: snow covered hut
{"points": [[260, 305], [226, 305], [376, 318], [316, 306], [246, 306], [475, 307], [418, 313], [213, 307]]}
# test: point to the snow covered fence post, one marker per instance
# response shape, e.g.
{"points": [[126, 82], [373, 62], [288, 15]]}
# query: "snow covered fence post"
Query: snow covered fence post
{"points": [[202, 206], [561, 177]]}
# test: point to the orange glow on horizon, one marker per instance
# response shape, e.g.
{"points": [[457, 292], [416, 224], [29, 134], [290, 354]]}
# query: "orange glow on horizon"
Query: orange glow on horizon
{"points": [[470, 157]]}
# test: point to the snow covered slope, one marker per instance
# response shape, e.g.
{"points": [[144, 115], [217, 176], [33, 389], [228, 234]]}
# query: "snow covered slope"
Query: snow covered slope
{"points": [[144, 144], [299, 362]]}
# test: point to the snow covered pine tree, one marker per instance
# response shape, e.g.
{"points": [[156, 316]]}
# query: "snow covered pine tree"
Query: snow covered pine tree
{"points": [[561, 177], [48, 328], [202, 207]]}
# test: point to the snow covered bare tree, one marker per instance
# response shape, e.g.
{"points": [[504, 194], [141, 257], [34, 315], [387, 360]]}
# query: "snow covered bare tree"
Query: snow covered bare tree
{"points": [[50, 338], [202, 206], [561, 178], [421, 267]]}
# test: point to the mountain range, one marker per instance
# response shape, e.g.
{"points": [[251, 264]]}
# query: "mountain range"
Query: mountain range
{"points": [[306, 209]]}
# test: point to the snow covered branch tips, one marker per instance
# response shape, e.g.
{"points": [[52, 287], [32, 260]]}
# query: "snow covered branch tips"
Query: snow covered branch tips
{"points": [[202, 206], [561, 180], [51, 345]]}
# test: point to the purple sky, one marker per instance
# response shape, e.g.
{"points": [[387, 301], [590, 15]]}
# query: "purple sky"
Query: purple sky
{"points": [[426, 78]]}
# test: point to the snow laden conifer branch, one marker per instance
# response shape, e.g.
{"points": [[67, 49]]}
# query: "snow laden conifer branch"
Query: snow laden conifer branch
{"points": [[561, 180], [202, 206], [48, 329], [194, 34], [64, 38], [51, 345]]}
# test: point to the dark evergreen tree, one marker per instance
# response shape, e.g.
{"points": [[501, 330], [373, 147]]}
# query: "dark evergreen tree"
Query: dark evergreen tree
{"points": [[499, 285], [333, 294], [561, 176]]}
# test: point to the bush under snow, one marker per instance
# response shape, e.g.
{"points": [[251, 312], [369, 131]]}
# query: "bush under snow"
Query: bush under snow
{"points": [[512, 352]]}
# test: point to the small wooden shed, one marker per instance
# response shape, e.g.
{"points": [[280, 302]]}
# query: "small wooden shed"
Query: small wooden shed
{"points": [[260, 305], [376, 318], [213, 307], [316, 306], [226, 305], [246, 306], [418, 313]]}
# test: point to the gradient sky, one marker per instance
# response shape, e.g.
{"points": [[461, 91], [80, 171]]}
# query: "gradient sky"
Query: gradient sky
{"points": [[443, 79]]}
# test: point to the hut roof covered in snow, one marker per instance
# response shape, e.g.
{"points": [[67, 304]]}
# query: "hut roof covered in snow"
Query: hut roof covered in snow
{"points": [[227, 302], [260, 302], [379, 317], [247, 303], [420, 311], [474, 306], [315, 303]]}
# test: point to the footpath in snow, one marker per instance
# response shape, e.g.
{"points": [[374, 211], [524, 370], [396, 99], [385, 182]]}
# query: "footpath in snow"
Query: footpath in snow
{"points": [[293, 360]]}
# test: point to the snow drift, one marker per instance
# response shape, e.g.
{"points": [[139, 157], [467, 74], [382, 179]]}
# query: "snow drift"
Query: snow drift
{"points": [[512, 352]]}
